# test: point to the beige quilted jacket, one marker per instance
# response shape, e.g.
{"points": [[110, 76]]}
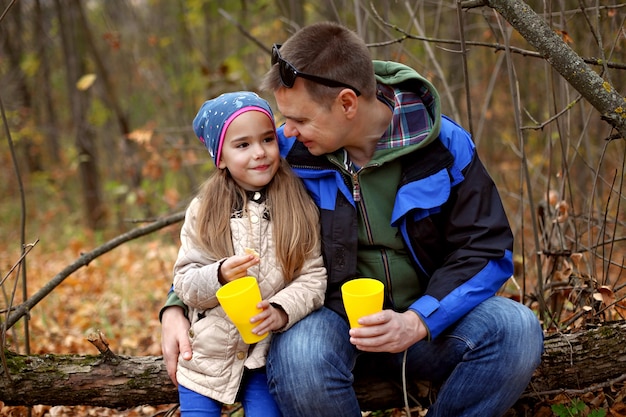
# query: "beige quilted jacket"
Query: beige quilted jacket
{"points": [[219, 353]]}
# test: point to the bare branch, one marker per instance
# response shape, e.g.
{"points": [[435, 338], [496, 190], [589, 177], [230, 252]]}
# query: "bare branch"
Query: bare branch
{"points": [[23, 309], [496, 46], [600, 93]]}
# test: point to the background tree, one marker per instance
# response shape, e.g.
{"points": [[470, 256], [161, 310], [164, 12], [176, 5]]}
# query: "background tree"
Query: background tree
{"points": [[74, 51]]}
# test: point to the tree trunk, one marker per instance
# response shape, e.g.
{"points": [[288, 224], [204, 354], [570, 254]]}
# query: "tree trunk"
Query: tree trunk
{"points": [[48, 112], [594, 357], [74, 55]]}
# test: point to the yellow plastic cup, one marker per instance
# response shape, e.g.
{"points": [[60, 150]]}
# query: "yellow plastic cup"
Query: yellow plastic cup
{"points": [[362, 297], [239, 299]]}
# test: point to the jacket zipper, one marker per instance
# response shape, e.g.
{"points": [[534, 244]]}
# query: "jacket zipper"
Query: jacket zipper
{"points": [[356, 195], [356, 188]]}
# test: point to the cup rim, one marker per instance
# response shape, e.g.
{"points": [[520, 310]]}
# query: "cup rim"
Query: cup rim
{"points": [[346, 286], [231, 289]]}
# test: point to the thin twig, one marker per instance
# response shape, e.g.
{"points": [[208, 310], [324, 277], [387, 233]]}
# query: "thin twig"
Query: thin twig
{"points": [[28, 248], [243, 30], [514, 87], [468, 94], [6, 10], [591, 388], [22, 231], [567, 108], [435, 63]]}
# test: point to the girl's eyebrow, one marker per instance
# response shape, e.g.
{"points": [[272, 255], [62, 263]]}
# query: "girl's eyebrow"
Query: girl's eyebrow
{"points": [[248, 137], [240, 139]]}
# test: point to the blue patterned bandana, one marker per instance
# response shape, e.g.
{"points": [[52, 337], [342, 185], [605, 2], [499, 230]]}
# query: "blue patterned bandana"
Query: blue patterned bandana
{"points": [[215, 115]]}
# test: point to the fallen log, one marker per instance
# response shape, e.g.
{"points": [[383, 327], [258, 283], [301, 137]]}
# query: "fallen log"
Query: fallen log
{"points": [[593, 357], [86, 380]]}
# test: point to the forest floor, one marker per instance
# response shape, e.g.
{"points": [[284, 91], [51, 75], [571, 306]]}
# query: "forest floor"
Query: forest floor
{"points": [[121, 293]]}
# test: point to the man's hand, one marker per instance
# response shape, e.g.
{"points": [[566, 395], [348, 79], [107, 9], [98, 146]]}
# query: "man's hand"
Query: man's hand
{"points": [[174, 339], [388, 331]]}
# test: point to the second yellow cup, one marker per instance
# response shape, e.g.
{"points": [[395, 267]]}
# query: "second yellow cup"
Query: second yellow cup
{"points": [[239, 299], [362, 297]]}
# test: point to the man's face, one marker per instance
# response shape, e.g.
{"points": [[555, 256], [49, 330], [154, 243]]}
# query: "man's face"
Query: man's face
{"points": [[318, 128]]}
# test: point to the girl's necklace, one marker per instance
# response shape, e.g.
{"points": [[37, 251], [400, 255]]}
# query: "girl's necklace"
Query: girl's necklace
{"points": [[256, 220]]}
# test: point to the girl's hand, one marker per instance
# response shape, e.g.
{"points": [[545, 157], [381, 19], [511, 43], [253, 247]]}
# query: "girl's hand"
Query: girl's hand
{"points": [[270, 319], [236, 267]]}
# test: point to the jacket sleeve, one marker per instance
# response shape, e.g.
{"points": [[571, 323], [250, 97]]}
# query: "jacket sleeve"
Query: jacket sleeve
{"points": [[195, 273], [172, 300], [305, 293], [467, 241]]}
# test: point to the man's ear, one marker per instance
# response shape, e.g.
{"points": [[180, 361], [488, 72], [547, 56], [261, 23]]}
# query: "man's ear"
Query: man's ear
{"points": [[349, 102]]}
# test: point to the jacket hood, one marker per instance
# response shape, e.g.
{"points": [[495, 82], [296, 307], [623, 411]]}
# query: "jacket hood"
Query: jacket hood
{"points": [[394, 80]]}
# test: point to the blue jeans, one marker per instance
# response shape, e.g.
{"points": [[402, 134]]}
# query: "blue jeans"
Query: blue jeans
{"points": [[255, 398], [482, 363]]}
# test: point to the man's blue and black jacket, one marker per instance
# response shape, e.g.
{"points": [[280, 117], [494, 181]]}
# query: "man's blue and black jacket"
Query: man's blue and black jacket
{"points": [[445, 210]]}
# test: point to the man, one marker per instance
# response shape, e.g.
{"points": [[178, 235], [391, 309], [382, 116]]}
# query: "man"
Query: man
{"points": [[403, 198]]}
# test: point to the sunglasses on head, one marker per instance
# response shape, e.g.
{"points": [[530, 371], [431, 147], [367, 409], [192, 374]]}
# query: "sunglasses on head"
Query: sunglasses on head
{"points": [[288, 73]]}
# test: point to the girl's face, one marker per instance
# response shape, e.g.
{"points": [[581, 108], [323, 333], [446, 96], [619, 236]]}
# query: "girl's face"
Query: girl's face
{"points": [[250, 150]]}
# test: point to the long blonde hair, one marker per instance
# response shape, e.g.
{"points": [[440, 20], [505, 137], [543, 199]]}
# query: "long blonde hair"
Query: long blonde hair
{"points": [[294, 216]]}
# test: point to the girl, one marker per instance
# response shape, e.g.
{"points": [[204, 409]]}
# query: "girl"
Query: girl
{"points": [[252, 207]]}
